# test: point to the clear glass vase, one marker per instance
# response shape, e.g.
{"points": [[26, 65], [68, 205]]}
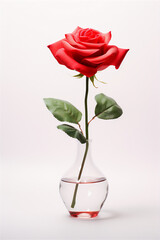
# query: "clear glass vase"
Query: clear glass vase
{"points": [[83, 195]]}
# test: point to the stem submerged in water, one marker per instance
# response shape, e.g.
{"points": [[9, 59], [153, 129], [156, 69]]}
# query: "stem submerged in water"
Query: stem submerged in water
{"points": [[87, 143]]}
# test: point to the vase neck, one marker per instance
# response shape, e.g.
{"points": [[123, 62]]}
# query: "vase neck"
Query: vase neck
{"points": [[81, 148], [83, 168]]}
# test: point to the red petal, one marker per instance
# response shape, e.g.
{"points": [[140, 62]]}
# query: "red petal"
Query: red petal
{"points": [[71, 40], [63, 58], [107, 57], [119, 58], [55, 47], [102, 67], [83, 38], [93, 45], [116, 62], [76, 30], [81, 52], [107, 37]]}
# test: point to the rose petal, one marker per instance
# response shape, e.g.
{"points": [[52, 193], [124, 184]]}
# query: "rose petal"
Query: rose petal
{"points": [[83, 31], [71, 40], [82, 38], [63, 58], [76, 30], [108, 57], [81, 52], [119, 58], [55, 47], [93, 45], [102, 67], [107, 37], [116, 62], [97, 39]]}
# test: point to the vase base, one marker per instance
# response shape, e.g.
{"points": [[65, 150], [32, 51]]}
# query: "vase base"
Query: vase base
{"points": [[84, 214]]}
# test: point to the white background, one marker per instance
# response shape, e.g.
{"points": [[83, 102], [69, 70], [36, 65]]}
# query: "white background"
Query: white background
{"points": [[35, 153]]}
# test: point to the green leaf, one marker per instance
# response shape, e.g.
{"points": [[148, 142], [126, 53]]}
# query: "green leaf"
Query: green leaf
{"points": [[80, 75], [63, 110], [72, 132], [106, 107]]}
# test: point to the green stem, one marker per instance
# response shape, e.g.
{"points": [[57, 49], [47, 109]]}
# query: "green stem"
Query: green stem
{"points": [[87, 144], [86, 109]]}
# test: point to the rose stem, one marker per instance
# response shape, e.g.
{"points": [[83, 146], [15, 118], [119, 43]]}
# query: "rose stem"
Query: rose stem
{"points": [[87, 143]]}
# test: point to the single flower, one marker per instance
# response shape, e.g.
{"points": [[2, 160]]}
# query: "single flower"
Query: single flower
{"points": [[87, 51]]}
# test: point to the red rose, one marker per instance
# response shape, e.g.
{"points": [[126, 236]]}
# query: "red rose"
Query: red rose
{"points": [[87, 51]]}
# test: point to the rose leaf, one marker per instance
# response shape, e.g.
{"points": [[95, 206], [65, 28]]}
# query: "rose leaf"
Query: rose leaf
{"points": [[106, 107], [72, 132], [63, 110]]}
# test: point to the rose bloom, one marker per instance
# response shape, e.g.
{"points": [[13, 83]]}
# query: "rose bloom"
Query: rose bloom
{"points": [[87, 51]]}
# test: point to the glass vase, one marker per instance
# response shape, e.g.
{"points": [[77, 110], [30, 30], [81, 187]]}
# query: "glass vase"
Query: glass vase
{"points": [[84, 196]]}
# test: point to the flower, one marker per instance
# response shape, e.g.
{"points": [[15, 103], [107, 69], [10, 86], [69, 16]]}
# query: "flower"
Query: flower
{"points": [[87, 51]]}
